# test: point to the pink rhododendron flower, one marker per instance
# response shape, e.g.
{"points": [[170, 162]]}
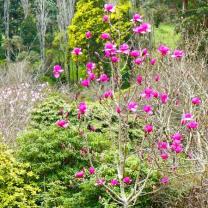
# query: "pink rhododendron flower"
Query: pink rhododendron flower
{"points": [[165, 180], [164, 50], [108, 94], [77, 51], [164, 155], [85, 83], [115, 59], [178, 54], [162, 145], [79, 174], [105, 18], [90, 66], [103, 78], [157, 78], [62, 123], [186, 117], [57, 70], [100, 182], [138, 61], [192, 125], [177, 136], [127, 180], [134, 53], [88, 35], [148, 109], [132, 106], [147, 93], [114, 182], [105, 36], [137, 18], [148, 128], [196, 101], [143, 28], [124, 48], [82, 108], [139, 79], [109, 8], [153, 61], [92, 170], [164, 98], [118, 109]]}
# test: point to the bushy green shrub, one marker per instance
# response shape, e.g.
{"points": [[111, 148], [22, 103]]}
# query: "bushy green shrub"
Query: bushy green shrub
{"points": [[17, 186]]}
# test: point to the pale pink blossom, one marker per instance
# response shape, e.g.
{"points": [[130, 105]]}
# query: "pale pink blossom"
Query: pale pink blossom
{"points": [[196, 101], [143, 28], [109, 8], [77, 51], [132, 106], [164, 50], [62, 123], [127, 180], [157, 78], [91, 76]]}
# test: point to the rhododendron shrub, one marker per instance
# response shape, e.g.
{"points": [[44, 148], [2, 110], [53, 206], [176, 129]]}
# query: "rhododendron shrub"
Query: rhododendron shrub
{"points": [[173, 115]]}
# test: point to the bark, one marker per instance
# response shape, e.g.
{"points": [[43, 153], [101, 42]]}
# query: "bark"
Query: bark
{"points": [[25, 6], [185, 5], [6, 24], [65, 15], [42, 21]]}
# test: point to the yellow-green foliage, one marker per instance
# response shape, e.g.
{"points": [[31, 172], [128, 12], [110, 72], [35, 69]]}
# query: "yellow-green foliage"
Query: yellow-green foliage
{"points": [[88, 17], [17, 188]]}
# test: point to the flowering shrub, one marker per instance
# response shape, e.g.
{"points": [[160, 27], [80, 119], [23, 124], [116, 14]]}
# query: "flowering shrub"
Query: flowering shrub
{"points": [[173, 119]]}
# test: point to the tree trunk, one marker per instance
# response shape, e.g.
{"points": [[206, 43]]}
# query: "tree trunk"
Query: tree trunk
{"points": [[185, 5], [6, 23]]}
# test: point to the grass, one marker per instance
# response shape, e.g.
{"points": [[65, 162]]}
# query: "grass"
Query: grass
{"points": [[166, 34]]}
